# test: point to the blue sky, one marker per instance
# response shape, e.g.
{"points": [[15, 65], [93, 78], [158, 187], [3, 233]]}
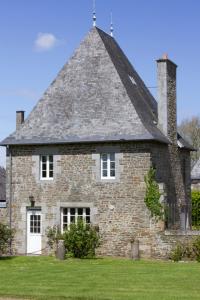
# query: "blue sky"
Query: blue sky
{"points": [[38, 37]]}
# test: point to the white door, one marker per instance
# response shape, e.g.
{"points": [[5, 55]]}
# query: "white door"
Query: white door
{"points": [[34, 229]]}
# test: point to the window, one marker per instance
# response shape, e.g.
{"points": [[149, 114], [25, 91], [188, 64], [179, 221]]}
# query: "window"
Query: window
{"points": [[35, 223], [108, 165], [46, 167], [70, 215]]}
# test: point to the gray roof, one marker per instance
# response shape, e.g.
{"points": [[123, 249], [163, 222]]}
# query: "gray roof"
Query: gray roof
{"points": [[195, 174], [97, 96], [2, 184]]}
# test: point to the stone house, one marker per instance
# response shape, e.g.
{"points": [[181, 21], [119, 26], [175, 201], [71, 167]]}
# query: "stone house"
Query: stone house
{"points": [[85, 148]]}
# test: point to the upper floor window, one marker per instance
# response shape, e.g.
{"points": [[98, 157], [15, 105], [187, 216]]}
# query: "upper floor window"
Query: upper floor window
{"points": [[108, 165], [46, 167]]}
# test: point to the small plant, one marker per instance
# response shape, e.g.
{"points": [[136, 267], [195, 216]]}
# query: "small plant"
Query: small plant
{"points": [[81, 240], [152, 196], [177, 253], [53, 235], [6, 236]]}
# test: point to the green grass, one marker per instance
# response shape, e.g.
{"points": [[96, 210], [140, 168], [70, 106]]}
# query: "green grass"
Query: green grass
{"points": [[98, 279]]}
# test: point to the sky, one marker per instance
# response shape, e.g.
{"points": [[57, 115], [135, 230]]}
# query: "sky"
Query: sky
{"points": [[38, 36]]}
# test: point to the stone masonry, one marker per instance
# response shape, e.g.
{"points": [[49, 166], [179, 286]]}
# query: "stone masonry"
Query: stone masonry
{"points": [[118, 208]]}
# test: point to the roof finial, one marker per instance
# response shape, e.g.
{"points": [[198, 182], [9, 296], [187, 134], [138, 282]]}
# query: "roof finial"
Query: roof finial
{"points": [[111, 24], [94, 13]]}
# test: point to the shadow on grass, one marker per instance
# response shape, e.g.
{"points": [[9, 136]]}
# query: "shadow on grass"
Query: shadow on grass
{"points": [[7, 257]]}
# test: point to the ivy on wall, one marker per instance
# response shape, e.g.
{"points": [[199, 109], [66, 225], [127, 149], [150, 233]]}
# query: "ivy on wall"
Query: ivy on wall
{"points": [[152, 196]]}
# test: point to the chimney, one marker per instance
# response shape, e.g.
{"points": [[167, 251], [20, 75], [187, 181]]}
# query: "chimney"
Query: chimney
{"points": [[167, 117], [19, 118]]}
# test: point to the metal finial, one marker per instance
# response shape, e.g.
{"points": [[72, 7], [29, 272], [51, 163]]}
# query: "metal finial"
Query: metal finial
{"points": [[94, 13], [111, 25]]}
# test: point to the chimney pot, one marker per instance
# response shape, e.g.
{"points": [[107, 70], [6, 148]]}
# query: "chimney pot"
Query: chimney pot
{"points": [[19, 118], [165, 56]]}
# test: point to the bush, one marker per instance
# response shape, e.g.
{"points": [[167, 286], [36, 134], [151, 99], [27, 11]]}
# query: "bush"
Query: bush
{"points": [[195, 209], [81, 240], [6, 236], [186, 251], [177, 253]]}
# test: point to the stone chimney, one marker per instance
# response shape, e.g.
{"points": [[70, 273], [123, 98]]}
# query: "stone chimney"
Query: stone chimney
{"points": [[167, 117], [19, 118]]}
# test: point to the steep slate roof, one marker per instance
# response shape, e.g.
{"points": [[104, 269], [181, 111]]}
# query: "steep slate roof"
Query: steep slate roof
{"points": [[97, 96], [195, 174], [2, 184]]}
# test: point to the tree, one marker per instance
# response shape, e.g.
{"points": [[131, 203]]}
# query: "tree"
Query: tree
{"points": [[190, 130]]}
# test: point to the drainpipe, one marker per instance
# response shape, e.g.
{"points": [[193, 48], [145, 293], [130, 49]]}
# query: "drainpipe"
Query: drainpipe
{"points": [[10, 193]]}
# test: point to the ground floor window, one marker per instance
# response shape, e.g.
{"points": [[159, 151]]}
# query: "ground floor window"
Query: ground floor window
{"points": [[71, 215]]}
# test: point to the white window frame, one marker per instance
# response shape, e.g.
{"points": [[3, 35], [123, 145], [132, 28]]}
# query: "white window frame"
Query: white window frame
{"points": [[108, 166], [68, 215], [47, 167]]}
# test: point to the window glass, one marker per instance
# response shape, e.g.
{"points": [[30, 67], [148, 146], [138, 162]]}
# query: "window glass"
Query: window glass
{"points": [[72, 215], [108, 165], [46, 167]]}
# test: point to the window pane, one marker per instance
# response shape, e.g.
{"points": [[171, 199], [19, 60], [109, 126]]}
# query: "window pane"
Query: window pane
{"points": [[51, 167], [105, 173], [44, 167], [112, 156], [51, 158], [112, 165], [44, 158], [87, 219], [72, 211], [51, 174], [64, 211], [112, 173], [65, 219], [105, 165], [72, 219], [104, 157], [64, 227], [87, 211], [80, 211], [44, 174]]}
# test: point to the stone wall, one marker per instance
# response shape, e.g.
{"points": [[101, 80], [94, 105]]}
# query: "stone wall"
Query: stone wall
{"points": [[117, 207]]}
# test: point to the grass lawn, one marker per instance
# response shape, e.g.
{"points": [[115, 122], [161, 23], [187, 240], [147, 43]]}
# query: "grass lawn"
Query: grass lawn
{"points": [[98, 279]]}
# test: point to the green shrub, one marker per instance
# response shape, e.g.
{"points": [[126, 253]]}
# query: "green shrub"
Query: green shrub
{"points": [[152, 196], [6, 236], [195, 209], [186, 251], [177, 253], [81, 240]]}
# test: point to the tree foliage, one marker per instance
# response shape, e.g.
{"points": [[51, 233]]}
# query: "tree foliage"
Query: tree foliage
{"points": [[190, 130]]}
